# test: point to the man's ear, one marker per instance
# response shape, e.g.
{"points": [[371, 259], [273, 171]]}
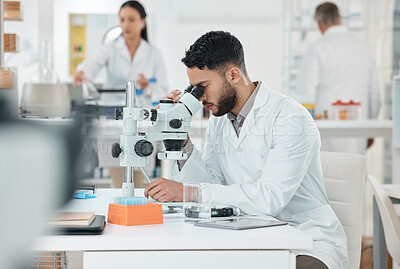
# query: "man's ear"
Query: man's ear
{"points": [[320, 26], [233, 74]]}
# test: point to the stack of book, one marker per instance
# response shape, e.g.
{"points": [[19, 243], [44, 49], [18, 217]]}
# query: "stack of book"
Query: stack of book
{"points": [[72, 219]]}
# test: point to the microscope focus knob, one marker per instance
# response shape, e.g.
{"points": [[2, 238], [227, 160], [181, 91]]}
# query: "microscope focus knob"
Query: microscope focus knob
{"points": [[118, 114], [175, 123], [153, 114], [144, 148], [116, 150]]}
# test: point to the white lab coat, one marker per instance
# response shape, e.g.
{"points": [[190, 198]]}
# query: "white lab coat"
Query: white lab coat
{"points": [[272, 168], [339, 66], [120, 68]]}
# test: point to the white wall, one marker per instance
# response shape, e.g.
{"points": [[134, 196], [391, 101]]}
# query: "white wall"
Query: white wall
{"points": [[175, 24]]}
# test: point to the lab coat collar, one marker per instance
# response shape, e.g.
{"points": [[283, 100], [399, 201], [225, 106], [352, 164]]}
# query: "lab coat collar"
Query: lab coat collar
{"points": [[140, 52], [336, 29], [261, 99], [262, 96]]}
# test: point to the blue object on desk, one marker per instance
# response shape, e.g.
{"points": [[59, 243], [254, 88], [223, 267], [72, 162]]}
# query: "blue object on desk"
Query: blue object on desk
{"points": [[130, 200], [83, 195]]}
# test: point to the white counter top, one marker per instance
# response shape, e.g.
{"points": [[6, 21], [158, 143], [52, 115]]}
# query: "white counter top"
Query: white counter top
{"points": [[172, 235], [327, 128]]}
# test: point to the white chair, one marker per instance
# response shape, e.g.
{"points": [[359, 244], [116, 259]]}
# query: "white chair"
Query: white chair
{"points": [[344, 177], [390, 220]]}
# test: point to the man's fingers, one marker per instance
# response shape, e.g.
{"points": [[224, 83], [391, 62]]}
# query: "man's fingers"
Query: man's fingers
{"points": [[155, 190], [151, 186], [148, 188], [159, 195]]}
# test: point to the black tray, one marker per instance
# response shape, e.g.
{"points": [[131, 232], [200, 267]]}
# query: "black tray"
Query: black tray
{"points": [[96, 227]]}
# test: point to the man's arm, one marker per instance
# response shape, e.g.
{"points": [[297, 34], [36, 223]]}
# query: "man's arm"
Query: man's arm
{"points": [[203, 167], [188, 148], [287, 164]]}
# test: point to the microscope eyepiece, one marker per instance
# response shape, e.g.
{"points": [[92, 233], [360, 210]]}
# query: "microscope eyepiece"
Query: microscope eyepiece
{"points": [[196, 91]]}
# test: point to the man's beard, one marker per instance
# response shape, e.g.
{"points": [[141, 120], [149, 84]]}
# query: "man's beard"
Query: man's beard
{"points": [[227, 99]]}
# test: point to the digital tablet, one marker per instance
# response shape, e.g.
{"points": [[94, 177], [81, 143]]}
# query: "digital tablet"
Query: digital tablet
{"points": [[241, 223]]}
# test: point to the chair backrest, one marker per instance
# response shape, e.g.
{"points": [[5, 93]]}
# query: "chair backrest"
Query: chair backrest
{"points": [[344, 178], [390, 220]]}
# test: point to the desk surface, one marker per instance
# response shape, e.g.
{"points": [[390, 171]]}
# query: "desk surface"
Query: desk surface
{"points": [[392, 190], [172, 235]]}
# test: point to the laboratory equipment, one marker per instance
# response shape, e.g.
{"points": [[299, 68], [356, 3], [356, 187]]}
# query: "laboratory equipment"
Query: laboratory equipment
{"points": [[129, 215], [145, 175], [152, 93], [89, 91], [170, 123], [346, 110], [311, 108], [241, 223], [44, 95], [196, 202], [142, 99], [130, 200], [224, 212]]}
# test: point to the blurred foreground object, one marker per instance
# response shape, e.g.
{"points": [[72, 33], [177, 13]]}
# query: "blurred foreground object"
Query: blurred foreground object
{"points": [[39, 171]]}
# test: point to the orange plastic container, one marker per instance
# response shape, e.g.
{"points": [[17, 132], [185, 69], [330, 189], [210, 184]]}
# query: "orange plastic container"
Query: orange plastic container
{"points": [[129, 215]]}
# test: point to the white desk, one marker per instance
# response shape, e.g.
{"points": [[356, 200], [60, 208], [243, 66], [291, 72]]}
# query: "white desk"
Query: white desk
{"points": [[380, 249], [175, 244], [362, 128]]}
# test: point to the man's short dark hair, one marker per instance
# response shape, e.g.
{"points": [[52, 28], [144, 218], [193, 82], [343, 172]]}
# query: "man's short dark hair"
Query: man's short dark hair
{"points": [[327, 13], [215, 50]]}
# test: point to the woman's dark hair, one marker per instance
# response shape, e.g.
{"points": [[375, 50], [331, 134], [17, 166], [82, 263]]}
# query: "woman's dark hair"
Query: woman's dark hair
{"points": [[215, 50], [136, 5]]}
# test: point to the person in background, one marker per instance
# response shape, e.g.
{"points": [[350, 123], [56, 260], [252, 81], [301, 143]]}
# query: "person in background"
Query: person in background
{"points": [[130, 57], [261, 153], [339, 66]]}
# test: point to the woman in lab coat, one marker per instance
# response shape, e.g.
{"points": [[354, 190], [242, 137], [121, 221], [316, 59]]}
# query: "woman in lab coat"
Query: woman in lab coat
{"points": [[129, 57]]}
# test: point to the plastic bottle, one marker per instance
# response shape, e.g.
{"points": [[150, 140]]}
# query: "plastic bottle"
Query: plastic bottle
{"points": [[153, 93], [140, 99]]}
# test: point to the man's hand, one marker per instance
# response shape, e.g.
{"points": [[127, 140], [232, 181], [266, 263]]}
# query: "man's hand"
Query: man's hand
{"points": [[174, 95], [165, 190], [142, 81]]}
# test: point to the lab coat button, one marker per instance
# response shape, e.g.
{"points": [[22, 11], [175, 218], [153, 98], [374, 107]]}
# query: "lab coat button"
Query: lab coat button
{"points": [[239, 149]]}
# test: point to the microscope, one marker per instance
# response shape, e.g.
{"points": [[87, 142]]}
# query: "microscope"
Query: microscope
{"points": [[170, 123]]}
